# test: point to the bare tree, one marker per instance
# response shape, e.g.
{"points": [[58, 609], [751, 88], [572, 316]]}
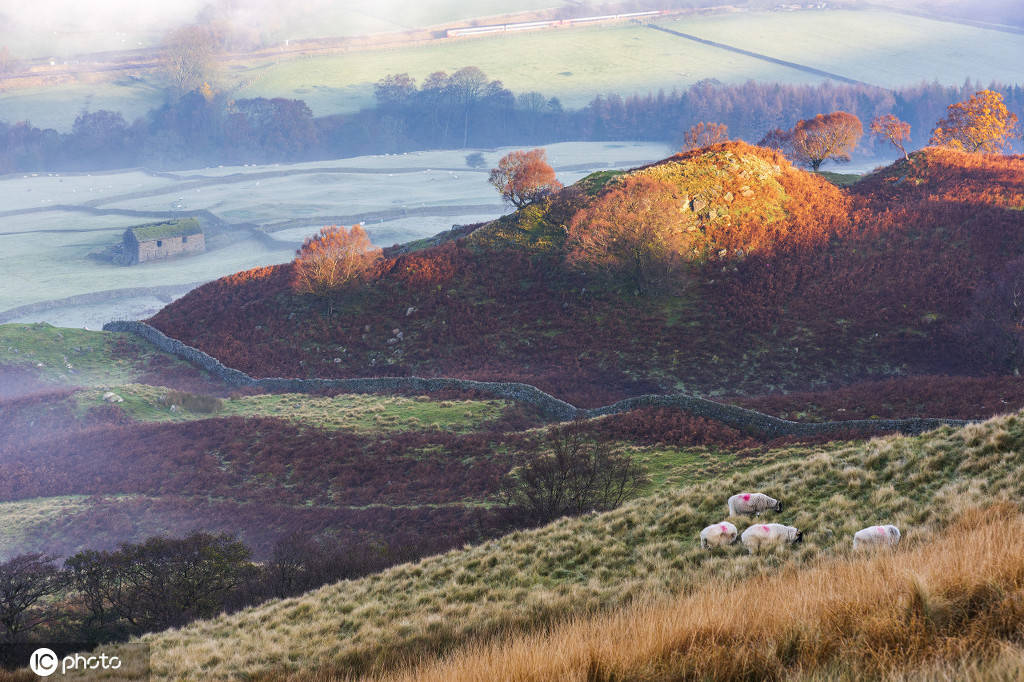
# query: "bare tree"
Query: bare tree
{"points": [[189, 58], [25, 583], [894, 130], [467, 86], [705, 134], [575, 475]]}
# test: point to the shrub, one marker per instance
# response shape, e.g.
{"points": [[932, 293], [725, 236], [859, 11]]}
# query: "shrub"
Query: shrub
{"points": [[575, 476]]}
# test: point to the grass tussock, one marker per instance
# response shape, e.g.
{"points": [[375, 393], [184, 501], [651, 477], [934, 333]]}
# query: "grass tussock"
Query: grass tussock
{"points": [[647, 549], [941, 608]]}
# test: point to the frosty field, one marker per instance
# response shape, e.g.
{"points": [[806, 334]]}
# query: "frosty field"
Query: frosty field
{"points": [[873, 46], [50, 222]]}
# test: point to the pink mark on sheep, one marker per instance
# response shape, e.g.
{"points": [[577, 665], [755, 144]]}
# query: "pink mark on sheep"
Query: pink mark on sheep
{"points": [[723, 528], [879, 530], [764, 528], [746, 497]]}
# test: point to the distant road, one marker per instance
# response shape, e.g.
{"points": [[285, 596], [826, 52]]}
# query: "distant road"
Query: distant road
{"points": [[763, 57]]}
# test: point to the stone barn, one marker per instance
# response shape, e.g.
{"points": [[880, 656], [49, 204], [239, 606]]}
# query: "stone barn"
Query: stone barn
{"points": [[154, 241]]}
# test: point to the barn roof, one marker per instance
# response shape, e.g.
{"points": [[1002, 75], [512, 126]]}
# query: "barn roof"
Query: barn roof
{"points": [[166, 230]]}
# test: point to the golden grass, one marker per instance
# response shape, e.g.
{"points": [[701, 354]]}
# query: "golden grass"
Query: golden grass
{"points": [[646, 550], [851, 617]]}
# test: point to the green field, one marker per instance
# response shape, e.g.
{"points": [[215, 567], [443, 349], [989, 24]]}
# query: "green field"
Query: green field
{"points": [[878, 47], [77, 357], [362, 413], [574, 64]]}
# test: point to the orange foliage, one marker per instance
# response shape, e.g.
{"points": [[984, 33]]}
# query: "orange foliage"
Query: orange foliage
{"points": [[891, 128], [826, 136], [705, 134], [524, 177], [332, 259], [981, 124], [641, 228]]}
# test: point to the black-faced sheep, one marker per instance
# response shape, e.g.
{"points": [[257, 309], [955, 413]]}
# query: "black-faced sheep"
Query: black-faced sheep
{"points": [[718, 535], [769, 535], [876, 536], [752, 504]]}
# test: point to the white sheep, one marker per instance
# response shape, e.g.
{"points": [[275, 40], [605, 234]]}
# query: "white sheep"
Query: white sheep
{"points": [[876, 536], [752, 504], [769, 535], [718, 535]]}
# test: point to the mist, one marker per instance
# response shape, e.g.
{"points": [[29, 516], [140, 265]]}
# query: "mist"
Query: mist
{"points": [[63, 28]]}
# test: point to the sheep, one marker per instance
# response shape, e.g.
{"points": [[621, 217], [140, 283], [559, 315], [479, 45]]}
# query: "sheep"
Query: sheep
{"points": [[718, 535], [876, 536], [752, 504], [768, 535]]}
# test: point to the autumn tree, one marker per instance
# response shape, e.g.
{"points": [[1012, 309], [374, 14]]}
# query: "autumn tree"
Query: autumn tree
{"points": [[331, 259], [826, 136], [705, 134], [524, 177], [980, 124], [894, 130], [641, 229]]}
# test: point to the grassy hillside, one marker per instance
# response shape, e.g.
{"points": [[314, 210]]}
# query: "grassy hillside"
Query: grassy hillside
{"points": [[948, 608], [799, 285], [646, 549], [38, 357]]}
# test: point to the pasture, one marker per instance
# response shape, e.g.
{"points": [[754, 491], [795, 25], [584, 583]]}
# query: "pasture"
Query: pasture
{"points": [[575, 64], [50, 224], [873, 46]]}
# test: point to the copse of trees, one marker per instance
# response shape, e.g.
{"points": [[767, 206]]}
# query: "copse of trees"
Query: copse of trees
{"points": [[205, 127], [524, 177], [101, 596]]}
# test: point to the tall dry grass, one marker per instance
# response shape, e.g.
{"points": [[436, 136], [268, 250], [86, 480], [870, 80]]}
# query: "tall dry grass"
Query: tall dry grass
{"points": [[950, 607]]}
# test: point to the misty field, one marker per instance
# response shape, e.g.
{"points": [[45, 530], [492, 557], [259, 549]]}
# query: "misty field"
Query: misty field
{"points": [[574, 65], [877, 47], [49, 224]]}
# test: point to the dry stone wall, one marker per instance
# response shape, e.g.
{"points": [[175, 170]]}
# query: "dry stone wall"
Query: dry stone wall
{"points": [[748, 421]]}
